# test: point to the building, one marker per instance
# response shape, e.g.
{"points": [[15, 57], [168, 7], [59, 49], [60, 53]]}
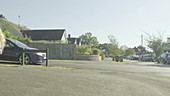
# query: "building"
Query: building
{"points": [[50, 35], [73, 40]]}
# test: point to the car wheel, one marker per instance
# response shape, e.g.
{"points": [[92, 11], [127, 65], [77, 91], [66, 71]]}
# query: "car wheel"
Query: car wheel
{"points": [[27, 59]]}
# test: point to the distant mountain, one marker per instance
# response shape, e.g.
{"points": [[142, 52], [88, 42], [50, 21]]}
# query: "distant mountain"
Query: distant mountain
{"points": [[13, 28]]}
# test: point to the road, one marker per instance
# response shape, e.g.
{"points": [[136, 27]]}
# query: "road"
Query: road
{"points": [[103, 78]]}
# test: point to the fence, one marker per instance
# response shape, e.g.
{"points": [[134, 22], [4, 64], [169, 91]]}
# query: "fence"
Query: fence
{"points": [[57, 51]]}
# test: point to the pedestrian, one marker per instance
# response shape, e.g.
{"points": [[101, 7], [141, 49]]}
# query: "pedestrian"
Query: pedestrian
{"points": [[2, 41]]}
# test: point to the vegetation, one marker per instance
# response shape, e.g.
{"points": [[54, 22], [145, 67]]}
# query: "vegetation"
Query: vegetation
{"points": [[21, 37], [129, 51], [89, 44], [96, 51], [156, 44], [84, 49], [114, 47], [88, 39]]}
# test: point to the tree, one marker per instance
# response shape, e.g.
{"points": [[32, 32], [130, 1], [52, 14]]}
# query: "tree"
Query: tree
{"points": [[113, 40], [156, 44], [114, 46], [115, 50], [88, 39], [129, 51]]}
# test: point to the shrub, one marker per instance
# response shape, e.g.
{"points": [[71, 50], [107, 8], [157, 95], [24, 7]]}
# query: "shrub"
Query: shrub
{"points": [[96, 51], [83, 49]]}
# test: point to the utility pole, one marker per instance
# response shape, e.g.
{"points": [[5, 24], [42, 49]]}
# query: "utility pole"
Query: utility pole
{"points": [[19, 20], [142, 40], [141, 44]]}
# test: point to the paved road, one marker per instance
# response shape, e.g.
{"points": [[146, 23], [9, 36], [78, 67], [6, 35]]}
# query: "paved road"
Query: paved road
{"points": [[91, 79]]}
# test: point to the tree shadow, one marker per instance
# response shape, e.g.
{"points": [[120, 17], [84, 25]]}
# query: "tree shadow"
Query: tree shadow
{"points": [[9, 62], [159, 65]]}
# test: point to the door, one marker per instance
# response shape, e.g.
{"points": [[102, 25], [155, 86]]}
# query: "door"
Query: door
{"points": [[10, 52]]}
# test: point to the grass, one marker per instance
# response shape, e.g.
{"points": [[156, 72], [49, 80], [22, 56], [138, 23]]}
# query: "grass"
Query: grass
{"points": [[9, 65]]}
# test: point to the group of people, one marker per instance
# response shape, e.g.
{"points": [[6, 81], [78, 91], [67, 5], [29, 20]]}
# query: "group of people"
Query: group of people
{"points": [[2, 41]]}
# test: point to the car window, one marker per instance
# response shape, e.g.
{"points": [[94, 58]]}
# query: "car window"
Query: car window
{"points": [[9, 44], [19, 44]]}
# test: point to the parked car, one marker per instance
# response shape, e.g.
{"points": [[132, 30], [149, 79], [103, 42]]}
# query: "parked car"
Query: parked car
{"points": [[164, 58], [13, 52], [128, 57], [147, 57], [134, 57]]}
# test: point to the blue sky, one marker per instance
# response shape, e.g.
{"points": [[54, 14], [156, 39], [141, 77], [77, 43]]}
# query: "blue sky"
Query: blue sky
{"points": [[122, 18]]}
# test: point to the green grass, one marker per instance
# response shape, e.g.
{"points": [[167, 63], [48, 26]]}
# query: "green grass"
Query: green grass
{"points": [[9, 65]]}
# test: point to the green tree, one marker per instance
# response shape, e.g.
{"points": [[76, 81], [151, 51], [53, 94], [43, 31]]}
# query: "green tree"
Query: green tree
{"points": [[114, 46], [88, 39], [156, 44], [105, 48], [129, 51], [113, 40], [109, 49], [142, 50], [115, 50]]}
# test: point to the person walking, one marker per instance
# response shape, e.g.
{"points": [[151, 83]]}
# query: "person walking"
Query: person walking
{"points": [[2, 41]]}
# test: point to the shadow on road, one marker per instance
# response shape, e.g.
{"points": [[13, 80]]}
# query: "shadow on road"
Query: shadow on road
{"points": [[159, 65]]}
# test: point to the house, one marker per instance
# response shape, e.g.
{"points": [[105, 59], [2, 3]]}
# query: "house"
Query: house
{"points": [[54, 39], [11, 27], [74, 40], [55, 35]]}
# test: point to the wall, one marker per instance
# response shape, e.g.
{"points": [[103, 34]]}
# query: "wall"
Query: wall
{"points": [[57, 51], [88, 57]]}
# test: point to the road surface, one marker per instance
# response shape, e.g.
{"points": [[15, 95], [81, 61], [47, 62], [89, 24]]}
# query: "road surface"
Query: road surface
{"points": [[103, 78]]}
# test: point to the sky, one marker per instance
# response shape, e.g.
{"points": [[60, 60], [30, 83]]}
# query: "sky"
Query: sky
{"points": [[127, 20]]}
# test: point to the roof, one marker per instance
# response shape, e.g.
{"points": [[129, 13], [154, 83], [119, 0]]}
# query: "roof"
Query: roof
{"points": [[72, 40], [13, 28], [47, 34]]}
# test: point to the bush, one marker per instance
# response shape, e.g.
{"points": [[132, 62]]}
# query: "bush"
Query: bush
{"points": [[96, 51], [83, 49]]}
